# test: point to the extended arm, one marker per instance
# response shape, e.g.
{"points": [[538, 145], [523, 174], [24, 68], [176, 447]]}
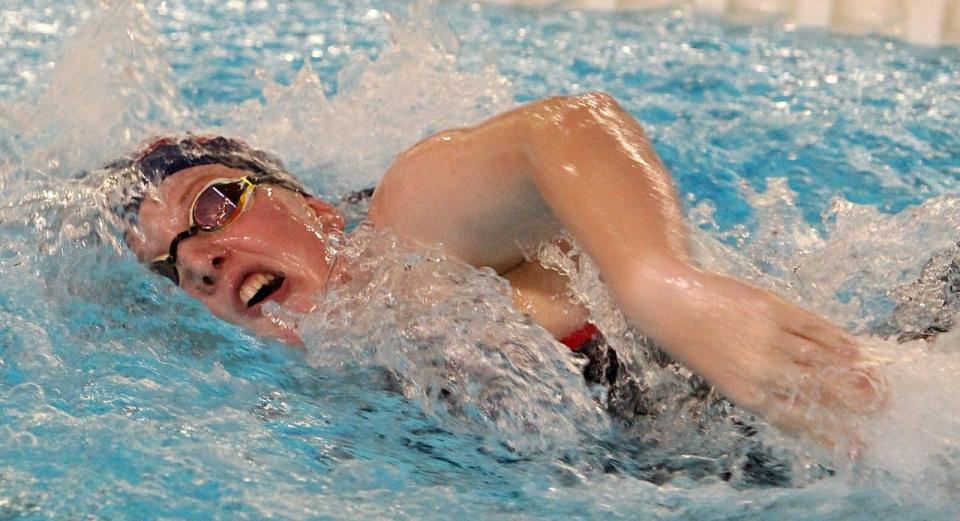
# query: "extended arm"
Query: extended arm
{"points": [[584, 164]]}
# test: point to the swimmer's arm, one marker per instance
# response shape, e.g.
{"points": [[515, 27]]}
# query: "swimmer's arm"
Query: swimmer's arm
{"points": [[517, 178], [585, 164], [576, 162]]}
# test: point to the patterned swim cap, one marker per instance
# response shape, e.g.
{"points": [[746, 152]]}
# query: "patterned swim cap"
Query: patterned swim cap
{"points": [[168, 155]]}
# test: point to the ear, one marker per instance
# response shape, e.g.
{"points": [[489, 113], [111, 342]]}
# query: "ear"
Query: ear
{"points": [[328, 215]]}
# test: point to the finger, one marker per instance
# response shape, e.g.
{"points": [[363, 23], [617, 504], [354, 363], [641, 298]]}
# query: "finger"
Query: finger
{"points": [[803, 415], [809, 353], [815, 329], [835, 430], [819, 378], [859, 390]]}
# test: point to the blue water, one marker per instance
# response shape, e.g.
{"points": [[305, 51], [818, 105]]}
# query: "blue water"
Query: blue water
{"points": [[120, 398]]}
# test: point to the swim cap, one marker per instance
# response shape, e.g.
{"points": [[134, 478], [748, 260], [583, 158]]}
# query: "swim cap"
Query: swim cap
{"points": [[166, 156]]}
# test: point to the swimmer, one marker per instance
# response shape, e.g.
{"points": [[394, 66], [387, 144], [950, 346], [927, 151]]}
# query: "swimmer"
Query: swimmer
{"points": [[236, 232]]}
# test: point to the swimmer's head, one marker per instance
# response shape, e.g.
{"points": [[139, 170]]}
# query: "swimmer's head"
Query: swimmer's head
{"points": [[231, 227]]}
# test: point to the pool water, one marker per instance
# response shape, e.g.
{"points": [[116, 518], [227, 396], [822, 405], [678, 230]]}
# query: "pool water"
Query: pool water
{"points": [[821, 166]]}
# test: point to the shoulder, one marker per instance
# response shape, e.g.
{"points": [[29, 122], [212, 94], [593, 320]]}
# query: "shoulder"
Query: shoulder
{"points": [[411, 178]]}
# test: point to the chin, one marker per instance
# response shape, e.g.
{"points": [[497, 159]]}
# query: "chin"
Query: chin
{"points": [[295, 303], [289, 336], [267, 329]]}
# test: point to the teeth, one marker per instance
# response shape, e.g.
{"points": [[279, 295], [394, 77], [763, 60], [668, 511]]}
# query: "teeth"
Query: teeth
{"points": [[253, 284]]}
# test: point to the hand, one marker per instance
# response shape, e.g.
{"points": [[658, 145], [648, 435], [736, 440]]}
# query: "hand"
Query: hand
{"points": [[808, 376], [802, 373]]}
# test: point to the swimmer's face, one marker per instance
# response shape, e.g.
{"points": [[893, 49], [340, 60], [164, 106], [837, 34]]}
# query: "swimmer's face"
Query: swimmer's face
{"points": [[274, 250]]}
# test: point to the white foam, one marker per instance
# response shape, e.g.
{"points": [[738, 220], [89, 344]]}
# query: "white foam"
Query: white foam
{"points": [[109, 89], [913, 443], [864, 254], [450, 336], [382, 107]]}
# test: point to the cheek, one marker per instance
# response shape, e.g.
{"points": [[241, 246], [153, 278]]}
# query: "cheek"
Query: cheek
{"points": [[292, 223]]}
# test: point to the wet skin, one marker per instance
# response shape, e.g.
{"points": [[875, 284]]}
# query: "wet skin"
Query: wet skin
{"points": [[579, 163], [278, 233], [281, 233]]}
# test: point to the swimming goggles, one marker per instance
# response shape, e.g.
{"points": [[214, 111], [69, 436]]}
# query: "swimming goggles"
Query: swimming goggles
{"points": [[213, 209]]}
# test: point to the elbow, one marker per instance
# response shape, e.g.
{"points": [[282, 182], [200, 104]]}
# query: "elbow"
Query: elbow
{"points": [[586, 99], [597, 99], [567, 116], [564, 107]]}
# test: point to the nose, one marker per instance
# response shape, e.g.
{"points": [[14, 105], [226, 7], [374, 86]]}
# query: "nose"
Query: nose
{"points": [[201, 263]]}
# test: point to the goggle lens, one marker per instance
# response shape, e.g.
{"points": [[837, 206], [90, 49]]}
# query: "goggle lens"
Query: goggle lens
{"points": [[219, 204], [166, 267]]}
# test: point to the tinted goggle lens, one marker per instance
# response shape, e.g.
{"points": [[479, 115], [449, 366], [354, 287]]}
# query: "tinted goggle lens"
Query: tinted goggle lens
{"points": [[219, 204]]}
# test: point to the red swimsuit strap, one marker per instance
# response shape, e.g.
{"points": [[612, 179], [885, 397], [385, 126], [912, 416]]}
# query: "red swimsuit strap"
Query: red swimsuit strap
{"points": [[578, 338]]}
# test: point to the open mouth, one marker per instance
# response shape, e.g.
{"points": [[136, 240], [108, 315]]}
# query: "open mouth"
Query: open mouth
{"points": [[259, 286]]}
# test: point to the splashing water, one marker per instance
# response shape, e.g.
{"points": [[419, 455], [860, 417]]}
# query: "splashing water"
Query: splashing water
{"points": [[448, 332], [422, 390], [874, 262], [347, 142]]}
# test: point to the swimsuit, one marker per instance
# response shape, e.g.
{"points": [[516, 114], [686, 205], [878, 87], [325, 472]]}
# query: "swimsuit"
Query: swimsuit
{"points": [[578, 338], [635, 399]]}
